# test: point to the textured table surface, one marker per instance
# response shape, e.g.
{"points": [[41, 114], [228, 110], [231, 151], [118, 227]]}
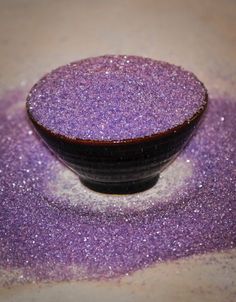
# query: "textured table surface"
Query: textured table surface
{"points": [[36, 36]]}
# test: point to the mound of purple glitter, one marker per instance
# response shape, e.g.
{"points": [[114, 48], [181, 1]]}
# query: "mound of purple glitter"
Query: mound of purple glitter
{"points": [[41, 242], [115, 98]]}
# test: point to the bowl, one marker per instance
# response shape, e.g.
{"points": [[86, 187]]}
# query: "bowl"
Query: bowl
{"points": [[117, 166]]}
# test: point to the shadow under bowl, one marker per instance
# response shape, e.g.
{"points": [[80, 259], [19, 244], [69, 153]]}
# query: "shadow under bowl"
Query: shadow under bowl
{"points": [[120, 167]]}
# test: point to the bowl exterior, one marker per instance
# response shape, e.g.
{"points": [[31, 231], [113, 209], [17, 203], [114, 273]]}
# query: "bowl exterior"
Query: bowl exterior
{"points": [[120, 167]]}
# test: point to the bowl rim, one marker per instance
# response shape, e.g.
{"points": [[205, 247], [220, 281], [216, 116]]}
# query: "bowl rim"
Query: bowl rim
{"points": [[148, 138]]}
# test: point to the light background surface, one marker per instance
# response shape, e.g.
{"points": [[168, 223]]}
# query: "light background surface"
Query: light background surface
{"points": [[38, 35]]}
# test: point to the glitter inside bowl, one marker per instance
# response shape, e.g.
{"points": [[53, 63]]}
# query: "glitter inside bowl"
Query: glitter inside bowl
{"points": [[48, 234], [115, 98]]}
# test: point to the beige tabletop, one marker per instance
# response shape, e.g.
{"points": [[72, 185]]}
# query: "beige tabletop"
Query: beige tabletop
{"points": [[38, 35]]}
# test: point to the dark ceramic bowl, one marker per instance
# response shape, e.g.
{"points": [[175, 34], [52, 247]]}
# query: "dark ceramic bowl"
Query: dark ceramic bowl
{"points": [[120, 167]]}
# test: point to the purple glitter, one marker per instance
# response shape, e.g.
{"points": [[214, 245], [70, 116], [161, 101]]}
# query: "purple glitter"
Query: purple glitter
{"points": [[115, 97], [39, 241]]}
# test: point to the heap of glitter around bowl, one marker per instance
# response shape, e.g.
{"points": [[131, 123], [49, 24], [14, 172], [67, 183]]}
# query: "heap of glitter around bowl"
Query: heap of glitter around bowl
{"points": [[43, 236], [115, 98]]}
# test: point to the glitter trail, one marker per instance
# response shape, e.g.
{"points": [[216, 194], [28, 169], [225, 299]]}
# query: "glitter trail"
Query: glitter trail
{"points": [[40, 241], [127, 96]]}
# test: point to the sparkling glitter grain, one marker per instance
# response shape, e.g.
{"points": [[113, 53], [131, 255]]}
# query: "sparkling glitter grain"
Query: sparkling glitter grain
{"points": [[115, 97], [46, 234]]}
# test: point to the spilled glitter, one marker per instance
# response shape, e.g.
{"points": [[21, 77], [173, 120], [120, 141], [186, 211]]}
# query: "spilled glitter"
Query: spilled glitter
{"points": [[45, 235], [127, 96]]}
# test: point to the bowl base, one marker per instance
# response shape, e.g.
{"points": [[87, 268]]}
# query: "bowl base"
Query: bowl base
{"points": [[129, 187]]}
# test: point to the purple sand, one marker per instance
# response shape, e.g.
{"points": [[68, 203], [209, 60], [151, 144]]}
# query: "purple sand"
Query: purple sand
{"points": [[40, 242], [115, 98]]}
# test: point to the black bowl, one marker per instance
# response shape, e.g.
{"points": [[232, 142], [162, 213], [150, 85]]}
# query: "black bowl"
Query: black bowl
{"points": [[120, 167]]}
